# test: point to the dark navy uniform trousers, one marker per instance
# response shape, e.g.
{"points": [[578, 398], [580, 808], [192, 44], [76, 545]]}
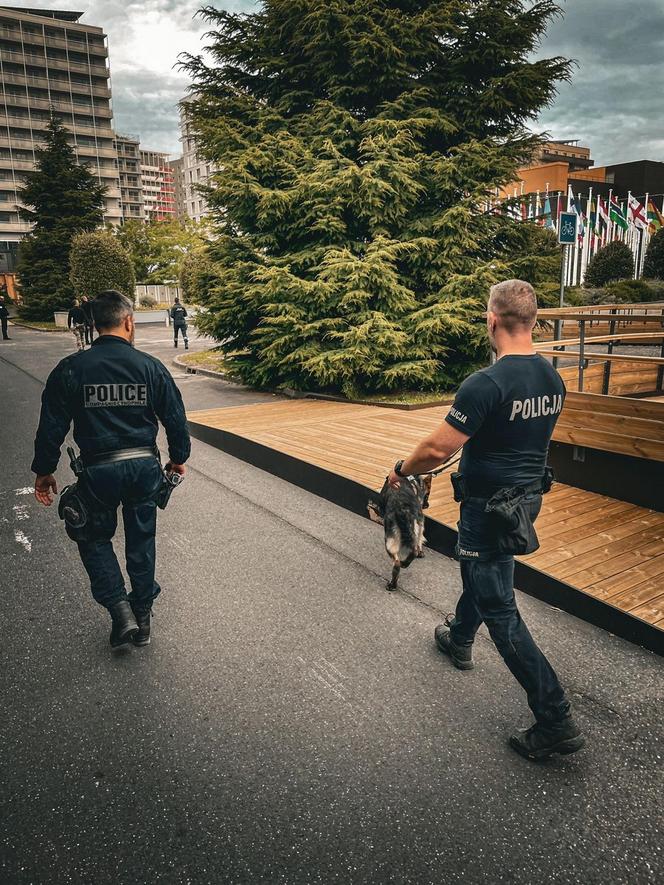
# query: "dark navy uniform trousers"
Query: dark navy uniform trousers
{"points": [[488, 596], [131, 485]]}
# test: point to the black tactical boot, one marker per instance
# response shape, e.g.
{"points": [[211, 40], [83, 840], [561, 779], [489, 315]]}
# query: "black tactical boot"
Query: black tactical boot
{"points": [[186, 344], [124, 624], [175, 343], [143, 620], [545, 738], [460, 655]]}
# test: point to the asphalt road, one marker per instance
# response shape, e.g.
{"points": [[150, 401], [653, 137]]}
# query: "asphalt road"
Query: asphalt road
{"points": [[291, 722]]}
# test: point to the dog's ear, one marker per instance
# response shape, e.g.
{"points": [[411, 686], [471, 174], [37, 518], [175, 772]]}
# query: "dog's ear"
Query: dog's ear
{"points": [[426, 482]]}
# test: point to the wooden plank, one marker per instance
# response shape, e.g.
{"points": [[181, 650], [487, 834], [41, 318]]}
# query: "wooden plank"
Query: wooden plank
{"points": [[603, 546], [602, 339], [593, 356], [610, 442], [614, 405]]}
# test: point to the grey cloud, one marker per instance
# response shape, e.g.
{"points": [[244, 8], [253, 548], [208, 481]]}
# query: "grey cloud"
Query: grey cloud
{"points": [[613, 103]]}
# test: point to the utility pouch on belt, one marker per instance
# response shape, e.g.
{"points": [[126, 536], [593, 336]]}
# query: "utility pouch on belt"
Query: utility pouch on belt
{"points": [[512, 518], [169, 482], [458, 486], [77, 509]]}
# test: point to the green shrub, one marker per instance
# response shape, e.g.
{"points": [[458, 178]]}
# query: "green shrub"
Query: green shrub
{"points": [[97, 262], [614, 262], [148, 301], [653, 267], [626, 292]]}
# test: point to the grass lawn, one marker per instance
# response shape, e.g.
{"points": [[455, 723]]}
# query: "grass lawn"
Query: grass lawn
{"points": [[214, 359], [207, 359], [38, 324], [411, 397]]}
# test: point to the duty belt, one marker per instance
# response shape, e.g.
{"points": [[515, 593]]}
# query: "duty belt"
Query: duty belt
{"points": [[475, 489], [119, 455]]}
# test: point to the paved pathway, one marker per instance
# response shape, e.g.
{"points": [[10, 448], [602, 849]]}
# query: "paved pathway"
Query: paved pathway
{"points": [[291, 722]]}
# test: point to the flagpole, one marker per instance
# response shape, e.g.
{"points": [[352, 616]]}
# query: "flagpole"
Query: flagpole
{"points": [[586, 238]]}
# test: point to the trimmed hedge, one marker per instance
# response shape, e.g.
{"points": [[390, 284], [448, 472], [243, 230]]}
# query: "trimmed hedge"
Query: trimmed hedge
{"points": [[98, 261], [653, 266], [614, 262]]}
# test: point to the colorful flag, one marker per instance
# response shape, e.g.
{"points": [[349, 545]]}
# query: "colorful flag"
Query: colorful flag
{"points": [[617, 214], [636, 213], [549, 220], [655, 219]]}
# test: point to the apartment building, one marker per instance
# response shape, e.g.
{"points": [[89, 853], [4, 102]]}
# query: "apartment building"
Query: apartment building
{"points": [[48, 59], [158, 185], [194, 171], [177, 168], [131, 184]]}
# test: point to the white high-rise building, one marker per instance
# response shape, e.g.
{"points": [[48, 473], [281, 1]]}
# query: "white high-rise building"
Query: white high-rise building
{"points": [[190, 171], [48, 59]]}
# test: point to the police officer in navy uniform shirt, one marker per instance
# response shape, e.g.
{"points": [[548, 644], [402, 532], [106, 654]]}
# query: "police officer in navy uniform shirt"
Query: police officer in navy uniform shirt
{"points": [[4, 316], [179, 317], [504, 417], [115, 395]]}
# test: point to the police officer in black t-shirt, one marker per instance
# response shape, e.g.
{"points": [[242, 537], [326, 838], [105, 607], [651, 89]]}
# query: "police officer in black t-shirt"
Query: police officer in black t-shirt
{"points": [[115, 395], [179, 318], [4, 316], [504, 417]]}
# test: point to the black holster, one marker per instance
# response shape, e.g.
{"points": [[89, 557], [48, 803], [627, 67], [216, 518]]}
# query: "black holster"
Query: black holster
{"points": [[169, 482]]}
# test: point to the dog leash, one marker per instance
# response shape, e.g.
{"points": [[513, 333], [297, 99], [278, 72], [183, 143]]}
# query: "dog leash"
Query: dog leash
{"points": [[445, 466]]}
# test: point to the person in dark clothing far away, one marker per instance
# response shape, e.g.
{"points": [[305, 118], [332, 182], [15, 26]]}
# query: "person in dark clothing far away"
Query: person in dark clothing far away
{"points": [[504, 417], [116, 396], [76, 322], [4, 316], [179, 317], [86, 307]]}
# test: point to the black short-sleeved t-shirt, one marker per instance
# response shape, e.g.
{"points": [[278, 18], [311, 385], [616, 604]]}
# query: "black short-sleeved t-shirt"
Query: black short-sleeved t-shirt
{"points": [[509, 410]]}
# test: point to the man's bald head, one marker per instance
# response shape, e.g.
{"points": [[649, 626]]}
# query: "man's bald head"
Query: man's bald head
{"points": [[515, 306]]}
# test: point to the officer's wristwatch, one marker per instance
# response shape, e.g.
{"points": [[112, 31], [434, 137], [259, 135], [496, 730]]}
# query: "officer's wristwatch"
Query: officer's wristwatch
{"points": [[397, 468]]}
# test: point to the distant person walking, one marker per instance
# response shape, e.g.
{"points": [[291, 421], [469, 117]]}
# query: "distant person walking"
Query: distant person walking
{"points": [[179, 318], [86, 307], [4, 316], [76, 322]]}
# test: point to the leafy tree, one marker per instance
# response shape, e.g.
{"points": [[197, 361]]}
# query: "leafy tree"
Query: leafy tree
{"points": [[613, 262], [359, 143], [653, 266], [197, 276], [158, 248], [61, 199], [98, 261]]}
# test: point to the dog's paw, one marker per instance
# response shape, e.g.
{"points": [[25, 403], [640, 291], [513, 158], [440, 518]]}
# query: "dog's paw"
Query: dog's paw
{"points": [[390, 586], [420, 554]]}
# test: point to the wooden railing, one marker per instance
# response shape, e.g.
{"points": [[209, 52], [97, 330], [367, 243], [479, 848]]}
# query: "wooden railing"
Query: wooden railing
{"points": [[608, 325], [625, 426]]}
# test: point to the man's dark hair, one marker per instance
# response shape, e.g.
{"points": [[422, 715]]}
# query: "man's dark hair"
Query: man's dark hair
{"points": [[110, 308]]}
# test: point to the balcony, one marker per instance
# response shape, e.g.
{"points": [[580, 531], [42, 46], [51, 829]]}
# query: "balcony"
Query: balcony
{"points": [[60, 85], [17, 165], [38, 38], [60, 64], [35, 125], [15, 227], [26, 144], [66, 106], [90, 150]]}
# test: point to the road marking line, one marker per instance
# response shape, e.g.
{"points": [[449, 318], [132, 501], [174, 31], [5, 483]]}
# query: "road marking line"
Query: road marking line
{"points": [[22, 538]]}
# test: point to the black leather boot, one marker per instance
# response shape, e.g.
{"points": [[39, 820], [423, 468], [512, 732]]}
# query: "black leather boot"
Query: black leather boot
{"points": [[124, 624], [545, 738], [460, 655], [143, 618]]}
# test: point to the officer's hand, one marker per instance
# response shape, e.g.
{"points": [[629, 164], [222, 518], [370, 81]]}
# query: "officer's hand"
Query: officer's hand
{"points": [[175, 468], [43, 487], [393, 480]]}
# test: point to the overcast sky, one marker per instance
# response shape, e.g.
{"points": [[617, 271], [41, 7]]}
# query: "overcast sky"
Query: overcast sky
{"points": [[614, 103]]}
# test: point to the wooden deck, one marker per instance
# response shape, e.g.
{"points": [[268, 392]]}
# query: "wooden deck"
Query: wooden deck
{"points": [[609, 549]]}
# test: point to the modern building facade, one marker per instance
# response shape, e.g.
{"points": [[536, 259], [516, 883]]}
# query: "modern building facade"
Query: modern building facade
{"points": [[48, 59], [131, 183], [158, 185], [194, 171], [177, 168]]}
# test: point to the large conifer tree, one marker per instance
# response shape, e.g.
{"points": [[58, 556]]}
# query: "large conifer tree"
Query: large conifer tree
{"points": [[358, 141], [61, 199]]}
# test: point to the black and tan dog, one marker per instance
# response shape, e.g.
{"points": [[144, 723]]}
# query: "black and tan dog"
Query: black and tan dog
{"points": [[401, 513]]}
